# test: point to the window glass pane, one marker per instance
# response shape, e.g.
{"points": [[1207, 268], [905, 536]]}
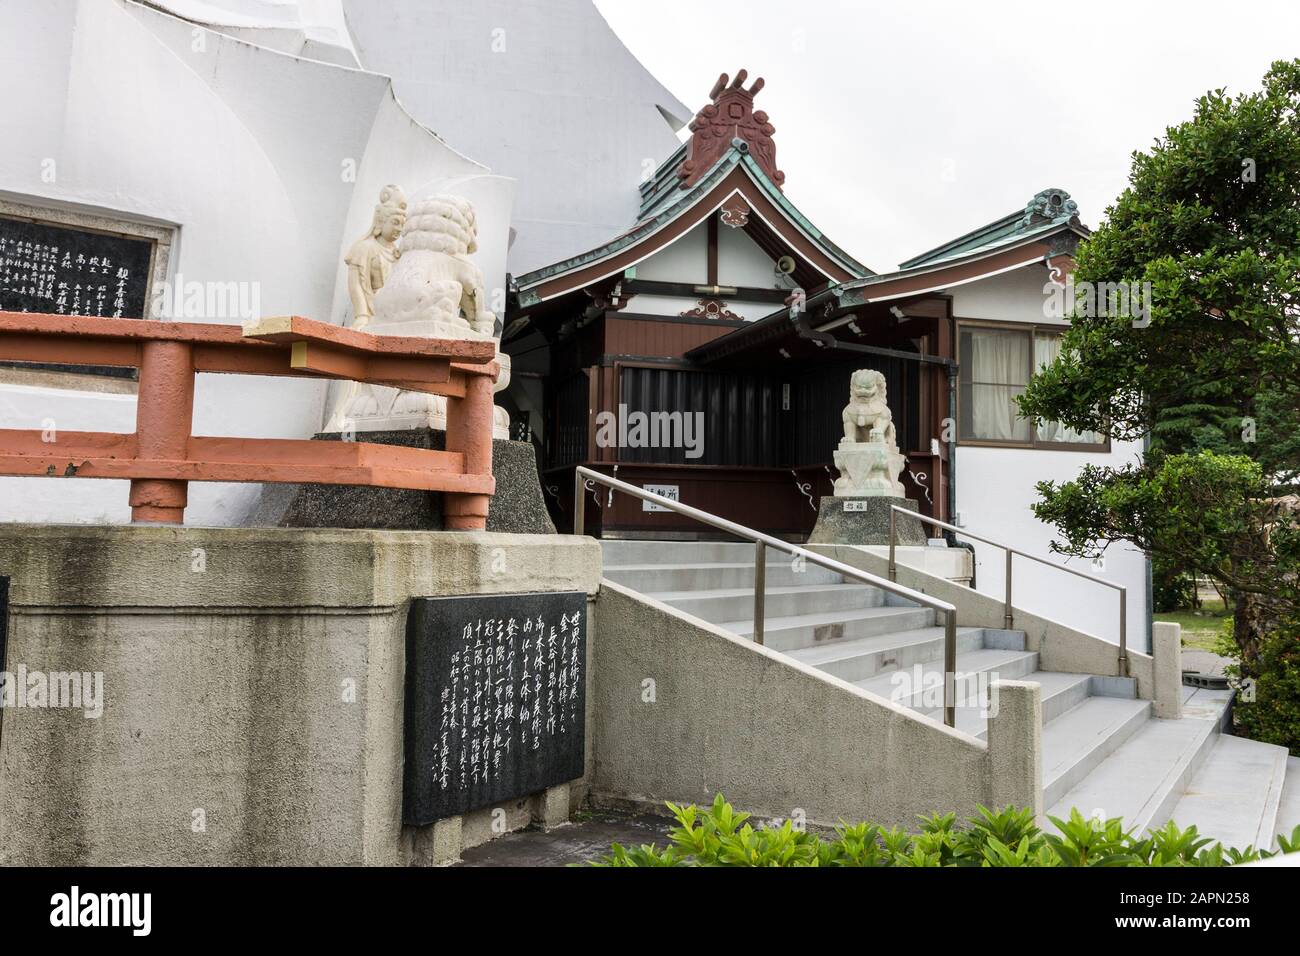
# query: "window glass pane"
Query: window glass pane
{"points": [[999, 358], [1047, 346], [994, 370], [995, 415]]}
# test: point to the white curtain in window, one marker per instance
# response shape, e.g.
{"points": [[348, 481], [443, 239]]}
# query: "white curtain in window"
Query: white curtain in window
{"points": [[999, 369], [1047, 346]]}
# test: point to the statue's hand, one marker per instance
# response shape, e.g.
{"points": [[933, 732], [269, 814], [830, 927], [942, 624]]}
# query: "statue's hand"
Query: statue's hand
{"points": [[485, 322]]}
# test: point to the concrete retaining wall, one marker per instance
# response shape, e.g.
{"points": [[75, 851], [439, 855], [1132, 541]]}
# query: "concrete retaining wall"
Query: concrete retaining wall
{"points": [[253, 686], [683, 710]]}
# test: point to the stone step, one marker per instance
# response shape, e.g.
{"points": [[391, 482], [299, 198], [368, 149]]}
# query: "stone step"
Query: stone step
{"points": [[1234, 796], [802, 631], [1077, 741], [860, 658], [1060, 691], [729, 604], [1143, 779], [657, 578], [914, 686], [1288, 810], [1206, 703], [620, 552]]}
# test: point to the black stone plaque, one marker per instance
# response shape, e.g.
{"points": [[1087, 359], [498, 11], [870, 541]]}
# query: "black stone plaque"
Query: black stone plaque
{"points": [[4, 631], [495, 699], [68, 271]]}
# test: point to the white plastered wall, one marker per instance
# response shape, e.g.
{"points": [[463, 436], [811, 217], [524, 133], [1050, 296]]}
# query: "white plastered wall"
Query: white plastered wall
{"points": [[995, 489]]}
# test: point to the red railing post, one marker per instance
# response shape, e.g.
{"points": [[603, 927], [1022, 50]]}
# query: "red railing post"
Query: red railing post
{"points": [[163, 418], [469, 431]]}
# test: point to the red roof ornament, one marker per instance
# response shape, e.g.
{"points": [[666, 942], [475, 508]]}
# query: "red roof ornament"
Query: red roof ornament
{"points": [[730, 116]]}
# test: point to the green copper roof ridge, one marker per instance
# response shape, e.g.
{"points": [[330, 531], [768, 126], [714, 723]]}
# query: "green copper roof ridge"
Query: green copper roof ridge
{"points": [[658, 217], [978, 252], [639, 230], [1003, 228], [1008, 220], [663, 172]]}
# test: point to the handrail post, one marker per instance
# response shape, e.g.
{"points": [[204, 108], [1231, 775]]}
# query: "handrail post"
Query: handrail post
{"points": [[1007, 617], [469, 431], [164, 419], [893, 568], [1123, 633], [950, 668], [579, 505], [760, 585]]}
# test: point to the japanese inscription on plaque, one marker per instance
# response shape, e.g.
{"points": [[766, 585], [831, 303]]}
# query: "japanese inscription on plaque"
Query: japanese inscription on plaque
{"points": [[495, 699], [68, 271]]}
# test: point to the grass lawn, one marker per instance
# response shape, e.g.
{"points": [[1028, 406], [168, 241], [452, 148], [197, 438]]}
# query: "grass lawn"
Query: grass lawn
{"points": [[1200, 628]]}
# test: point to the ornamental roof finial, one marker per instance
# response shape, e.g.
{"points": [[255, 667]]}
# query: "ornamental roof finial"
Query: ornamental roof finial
{"points": [[730, 115]]}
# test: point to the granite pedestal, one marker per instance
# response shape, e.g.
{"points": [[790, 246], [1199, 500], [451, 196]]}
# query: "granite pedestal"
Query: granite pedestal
{"points": [[864, 520], [517, 507]]}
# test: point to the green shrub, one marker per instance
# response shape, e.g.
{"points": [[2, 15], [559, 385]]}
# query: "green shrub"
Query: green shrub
{"points": [[1267, 707], [720, 836], [1173, 588]]}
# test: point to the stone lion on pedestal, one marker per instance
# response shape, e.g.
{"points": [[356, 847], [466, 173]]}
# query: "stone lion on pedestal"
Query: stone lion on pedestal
{"points": [[433, 290], [867, 417], [435, 278]]}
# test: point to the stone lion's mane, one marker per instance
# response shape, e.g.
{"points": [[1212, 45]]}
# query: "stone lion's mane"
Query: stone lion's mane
{"points": [[444, 224]]}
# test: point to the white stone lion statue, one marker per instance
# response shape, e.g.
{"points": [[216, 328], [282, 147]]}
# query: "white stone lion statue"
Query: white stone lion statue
{"points": [[435, 291], [867, 417], [435, 279]]}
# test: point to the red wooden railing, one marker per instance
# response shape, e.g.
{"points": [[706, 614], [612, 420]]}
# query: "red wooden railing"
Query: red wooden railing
{"points": [[162, 456]]}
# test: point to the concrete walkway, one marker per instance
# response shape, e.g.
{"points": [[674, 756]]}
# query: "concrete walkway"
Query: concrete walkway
{"points": [[588, 837], [1204, 662]]}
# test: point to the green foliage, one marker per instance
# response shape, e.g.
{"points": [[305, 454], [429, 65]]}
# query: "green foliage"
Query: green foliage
{"points": [[1211, 221], [1173, 587], [1203, 511], [1268, 699], [720, 836], [1208, 371]]}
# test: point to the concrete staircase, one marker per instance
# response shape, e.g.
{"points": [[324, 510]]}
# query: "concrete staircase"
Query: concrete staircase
{"points": [[1103, 751]]}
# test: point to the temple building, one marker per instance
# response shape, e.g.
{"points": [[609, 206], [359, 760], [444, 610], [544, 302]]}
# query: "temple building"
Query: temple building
{"points": [[370, 454], [705, 353], [693, 332]]}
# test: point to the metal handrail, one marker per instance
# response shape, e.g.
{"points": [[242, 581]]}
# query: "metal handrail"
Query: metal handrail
{"points": [[764, 541], [1008, 613]]}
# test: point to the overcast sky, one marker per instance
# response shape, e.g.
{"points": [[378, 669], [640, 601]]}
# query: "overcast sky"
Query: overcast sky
{"points": [[902, 125]]}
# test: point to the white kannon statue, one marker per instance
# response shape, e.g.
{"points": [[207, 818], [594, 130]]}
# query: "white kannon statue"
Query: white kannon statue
{"points": [[867, 456], [372, 257], [430, 288]]}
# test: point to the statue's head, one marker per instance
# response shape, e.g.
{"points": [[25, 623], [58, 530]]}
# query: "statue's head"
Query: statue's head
{"points": [[867, 383], [442, 224], [390, 214]]}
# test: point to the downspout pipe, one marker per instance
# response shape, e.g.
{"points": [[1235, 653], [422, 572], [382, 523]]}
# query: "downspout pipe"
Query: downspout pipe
{"points": [[952, 447]]}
